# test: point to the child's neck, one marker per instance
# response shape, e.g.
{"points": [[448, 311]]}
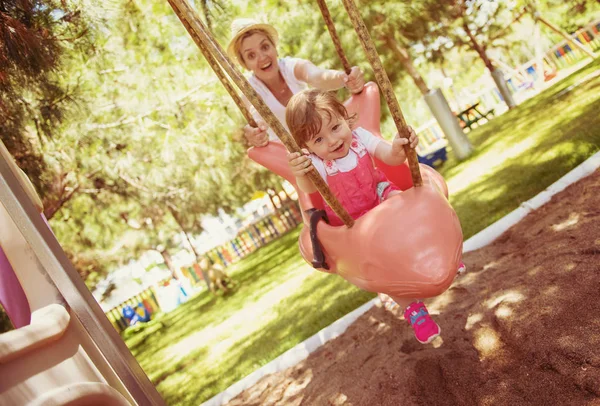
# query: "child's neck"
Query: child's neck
{"points": [[325, 159]]}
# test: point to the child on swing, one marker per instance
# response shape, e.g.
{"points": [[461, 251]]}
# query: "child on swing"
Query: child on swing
{"points": [[343, 156]]}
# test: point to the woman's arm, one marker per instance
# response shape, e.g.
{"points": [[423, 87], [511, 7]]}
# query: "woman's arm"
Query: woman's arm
{"points": [[328, 79], [393, 154]]}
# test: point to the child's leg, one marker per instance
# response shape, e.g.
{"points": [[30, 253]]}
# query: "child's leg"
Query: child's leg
{"points": [[404, 302], [417, 315], [387, 302], [392, 193]]}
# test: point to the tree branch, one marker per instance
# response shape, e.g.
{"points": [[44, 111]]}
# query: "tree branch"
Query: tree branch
{"points": [[129, 120]]}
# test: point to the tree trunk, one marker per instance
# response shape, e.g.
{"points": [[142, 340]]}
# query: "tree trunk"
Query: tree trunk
{"points": [[196, 255], [402, 54], [478, 48], [169, 262], [506, 95], [539, 55], [435, 100], [58, 196]]}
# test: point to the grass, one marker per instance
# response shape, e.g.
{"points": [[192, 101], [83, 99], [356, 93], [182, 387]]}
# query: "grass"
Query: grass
{"points": [[210, 342], [520, 153]]}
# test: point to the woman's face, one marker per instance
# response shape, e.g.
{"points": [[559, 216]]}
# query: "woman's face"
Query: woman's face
{"points": [[260, 56]]}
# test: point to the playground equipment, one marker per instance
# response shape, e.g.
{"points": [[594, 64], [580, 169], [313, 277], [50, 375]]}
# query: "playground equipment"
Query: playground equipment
{"points": [[364, 253], [63, 351], [147, 298], [408, 246], [138, 315]]}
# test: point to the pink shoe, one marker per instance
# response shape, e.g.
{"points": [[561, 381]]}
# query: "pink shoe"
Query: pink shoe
{"points": [[462, 268], [426, 330]]}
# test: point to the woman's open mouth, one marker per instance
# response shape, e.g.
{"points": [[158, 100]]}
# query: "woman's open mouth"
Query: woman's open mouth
{"points": [[266, 66]]}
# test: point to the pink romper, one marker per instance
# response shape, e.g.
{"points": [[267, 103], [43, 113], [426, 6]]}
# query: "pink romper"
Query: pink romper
{"points": [[358, 190]]}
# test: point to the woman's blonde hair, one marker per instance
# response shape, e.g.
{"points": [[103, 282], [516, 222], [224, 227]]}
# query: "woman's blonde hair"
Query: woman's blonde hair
{"points": [[249, 33], [305, 110]]}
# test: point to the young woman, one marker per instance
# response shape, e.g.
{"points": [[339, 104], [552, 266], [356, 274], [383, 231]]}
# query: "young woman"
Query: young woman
{"points": [[276, 80]]}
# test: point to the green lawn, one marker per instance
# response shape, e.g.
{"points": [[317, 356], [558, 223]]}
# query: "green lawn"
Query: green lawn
{"points": [[520, 153], [210, 342]]}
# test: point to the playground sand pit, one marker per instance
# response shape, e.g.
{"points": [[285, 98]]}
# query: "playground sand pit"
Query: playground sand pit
{"points": [[521, 327]]}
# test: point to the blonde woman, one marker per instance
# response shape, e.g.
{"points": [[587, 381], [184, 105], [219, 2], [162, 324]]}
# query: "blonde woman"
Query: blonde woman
{"points": [[254, 46]]}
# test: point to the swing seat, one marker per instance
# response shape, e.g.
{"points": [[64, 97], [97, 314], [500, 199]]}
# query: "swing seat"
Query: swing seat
{"points": [[408, 246]]}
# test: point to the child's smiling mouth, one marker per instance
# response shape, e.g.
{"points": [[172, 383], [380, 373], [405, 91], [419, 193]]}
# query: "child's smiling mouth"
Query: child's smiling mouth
{"points": [[338, 149]]}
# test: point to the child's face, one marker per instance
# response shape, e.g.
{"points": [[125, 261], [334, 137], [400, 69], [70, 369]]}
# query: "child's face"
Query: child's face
{"points": [[334, 139]]}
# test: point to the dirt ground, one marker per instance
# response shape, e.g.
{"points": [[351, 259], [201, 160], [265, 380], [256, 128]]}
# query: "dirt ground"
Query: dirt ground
{"points": [[521, 327]]}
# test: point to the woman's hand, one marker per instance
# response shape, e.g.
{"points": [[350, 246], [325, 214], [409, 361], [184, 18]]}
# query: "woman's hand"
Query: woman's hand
{"points": [[300, 163], [355, 81], [399, 142], [257, 136]]}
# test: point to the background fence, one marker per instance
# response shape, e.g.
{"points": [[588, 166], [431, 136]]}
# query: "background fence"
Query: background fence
{"points": [[260, 232]]}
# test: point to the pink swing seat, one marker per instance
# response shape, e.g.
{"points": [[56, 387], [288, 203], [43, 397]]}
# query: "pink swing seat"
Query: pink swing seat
{"points": [[408, 246]]}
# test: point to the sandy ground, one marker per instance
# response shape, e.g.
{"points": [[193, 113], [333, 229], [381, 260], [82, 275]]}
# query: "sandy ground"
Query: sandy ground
{"points": [[522, 327]]}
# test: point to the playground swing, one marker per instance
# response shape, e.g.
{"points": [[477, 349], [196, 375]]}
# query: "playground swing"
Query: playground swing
{"points": [[408, 246]]}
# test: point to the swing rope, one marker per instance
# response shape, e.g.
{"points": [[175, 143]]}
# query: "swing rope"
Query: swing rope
{"points": [[196, 27], [220, 74], [384, 84], [334, 36]]}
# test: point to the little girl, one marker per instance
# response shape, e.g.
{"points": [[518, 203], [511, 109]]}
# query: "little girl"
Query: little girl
{"points": [[343, 156]]}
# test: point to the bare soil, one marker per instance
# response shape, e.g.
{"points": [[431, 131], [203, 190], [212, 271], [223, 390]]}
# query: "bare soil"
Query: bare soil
{"points": [[521, 327]]}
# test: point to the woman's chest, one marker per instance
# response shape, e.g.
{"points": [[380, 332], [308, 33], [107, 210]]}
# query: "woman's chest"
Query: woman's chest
{"points": [[283, 96]]}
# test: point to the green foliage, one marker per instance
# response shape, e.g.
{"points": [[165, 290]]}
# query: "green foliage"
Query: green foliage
{"points": [[34, 102], [156, 132], [569, 15], [128, 135]]}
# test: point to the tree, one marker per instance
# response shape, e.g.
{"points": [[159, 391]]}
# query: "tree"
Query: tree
{"points": [[34, 102], [475, 25], [156, 135]]}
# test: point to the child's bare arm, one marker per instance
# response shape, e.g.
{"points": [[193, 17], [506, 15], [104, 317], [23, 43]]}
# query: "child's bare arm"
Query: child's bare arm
{"points": [[300, 165], [393, 154]]}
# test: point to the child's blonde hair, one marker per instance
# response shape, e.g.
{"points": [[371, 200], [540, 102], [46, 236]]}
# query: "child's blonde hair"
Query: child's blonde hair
{"points": [[305, 110]]}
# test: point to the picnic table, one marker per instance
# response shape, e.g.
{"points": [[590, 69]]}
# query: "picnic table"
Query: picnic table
{"points": [[472, 115]]}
